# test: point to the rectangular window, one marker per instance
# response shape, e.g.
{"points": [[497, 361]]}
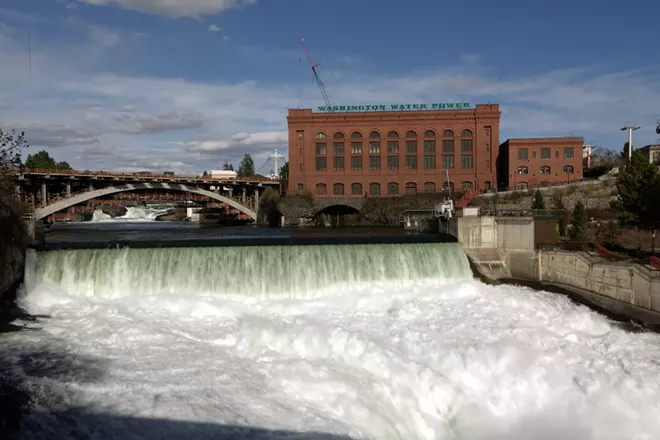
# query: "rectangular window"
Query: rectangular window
{"points": [[300, 167], [447, 162], [466, 145], [356, 163], [393, 163], [374, 147], [466, 161], [321, 163], [523, 154], [448, 146], [533, 154], [487, 148], [393, 147], [300, 151], [321, 148], [411, 162], [488, 164], [356, 147], [411, 146], [487, 131], [374, 162], [338, 148], [429, 146], [568, 153], [300, 134], [429, 162], [545, 153], [338, 164], [557, 154]]}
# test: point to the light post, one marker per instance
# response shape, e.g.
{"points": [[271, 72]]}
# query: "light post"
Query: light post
{"points": [[653, 243], [630, 127]]}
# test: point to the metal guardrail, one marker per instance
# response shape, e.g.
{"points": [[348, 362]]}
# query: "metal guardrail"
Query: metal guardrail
{"points": [[51, 171]]}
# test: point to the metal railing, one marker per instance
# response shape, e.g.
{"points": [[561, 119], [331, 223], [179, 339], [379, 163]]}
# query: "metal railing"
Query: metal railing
{"points": [[138, 176]]}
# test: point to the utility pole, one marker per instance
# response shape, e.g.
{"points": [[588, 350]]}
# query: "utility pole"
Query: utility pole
{"points": [[630, 127]]}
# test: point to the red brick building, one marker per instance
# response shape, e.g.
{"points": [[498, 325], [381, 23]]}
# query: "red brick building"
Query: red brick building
{"points": [[388, 151], [528, 163]]}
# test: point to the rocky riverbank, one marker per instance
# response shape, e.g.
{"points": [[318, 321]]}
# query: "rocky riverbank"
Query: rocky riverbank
{"points": [[13, 244]]}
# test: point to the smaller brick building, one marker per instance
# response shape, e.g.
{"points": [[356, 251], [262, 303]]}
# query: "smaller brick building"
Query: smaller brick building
{"points": [[534, 162]]}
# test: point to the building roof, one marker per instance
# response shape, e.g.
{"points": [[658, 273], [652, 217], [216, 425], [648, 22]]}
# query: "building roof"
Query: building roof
{"points": [[545, 140]]}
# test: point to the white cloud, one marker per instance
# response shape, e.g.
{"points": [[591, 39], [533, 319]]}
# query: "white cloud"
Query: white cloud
{"points": [[189, 126], [175, 8], [172, 120], [214, 28], [469, 58], [104, 36]]}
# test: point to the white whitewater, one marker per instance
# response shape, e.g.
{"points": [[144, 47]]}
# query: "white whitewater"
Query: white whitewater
{"points": [[401, 343], [133, 214]]}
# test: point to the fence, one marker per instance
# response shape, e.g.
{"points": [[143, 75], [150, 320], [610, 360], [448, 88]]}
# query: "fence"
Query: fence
{"points": [[139, 176]]}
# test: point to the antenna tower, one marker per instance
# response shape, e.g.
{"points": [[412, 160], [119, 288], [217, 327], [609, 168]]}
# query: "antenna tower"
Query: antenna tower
{"points": [[317, 78]]}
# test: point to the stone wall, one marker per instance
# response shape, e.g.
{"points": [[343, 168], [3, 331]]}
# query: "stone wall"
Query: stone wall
{"points": [[12, 252], [594, 194]]}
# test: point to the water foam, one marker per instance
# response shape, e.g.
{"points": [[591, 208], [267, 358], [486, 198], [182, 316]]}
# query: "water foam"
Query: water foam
{"points": [[401, 358], [133, 214]]}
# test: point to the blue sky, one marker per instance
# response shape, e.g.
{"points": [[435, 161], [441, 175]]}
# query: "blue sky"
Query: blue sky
{"points": [[185, 85]]}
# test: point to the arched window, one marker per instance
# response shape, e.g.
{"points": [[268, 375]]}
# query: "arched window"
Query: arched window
{"points": [[522, 185], [374, 135], [429, 187], [356, 135], [411, 134], [374, 189], [449, 186], [546, 170], [448, 142], [487, 186], [467, 186], [393, 135], [392, 189], [320, 136], [411, 188], [301, 187], [466, 141], [356, 145], [356, 188], [568, 169], [429, 144], [338, 189], [338, 135], [523, 170], [321, 189]]}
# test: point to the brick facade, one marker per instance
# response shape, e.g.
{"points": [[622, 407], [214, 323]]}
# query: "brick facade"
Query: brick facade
{"points": [[529, 163], [392, 152]]}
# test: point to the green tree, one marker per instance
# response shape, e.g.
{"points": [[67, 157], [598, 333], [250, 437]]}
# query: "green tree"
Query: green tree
{"points": [[42, 159], [228, 167], [638, 185], [205, 174], [538, 203], [579, 223], [246, 167], [284, 176]]}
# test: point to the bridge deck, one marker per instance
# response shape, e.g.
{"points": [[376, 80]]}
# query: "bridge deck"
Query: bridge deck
{"points": [[137, 177]]}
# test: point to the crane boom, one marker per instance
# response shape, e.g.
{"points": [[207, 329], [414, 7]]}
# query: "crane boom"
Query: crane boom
{"points": [[317, 78]]}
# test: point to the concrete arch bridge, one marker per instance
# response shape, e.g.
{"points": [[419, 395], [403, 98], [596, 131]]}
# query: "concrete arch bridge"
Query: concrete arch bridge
{"points": [[247, 206]]}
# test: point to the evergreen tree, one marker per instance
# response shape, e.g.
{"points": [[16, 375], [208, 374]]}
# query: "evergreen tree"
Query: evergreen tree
{"points": [[246, 167], [579, 223], [42, 159], [205, 174], [284, 176], [638, 185], [538, 203]]}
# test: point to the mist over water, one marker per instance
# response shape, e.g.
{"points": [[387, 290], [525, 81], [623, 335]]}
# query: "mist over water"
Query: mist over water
{"points": [[133, 214], [365, 342]]}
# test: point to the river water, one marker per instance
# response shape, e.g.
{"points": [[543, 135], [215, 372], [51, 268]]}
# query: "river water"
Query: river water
{"points": [[366, 341]]}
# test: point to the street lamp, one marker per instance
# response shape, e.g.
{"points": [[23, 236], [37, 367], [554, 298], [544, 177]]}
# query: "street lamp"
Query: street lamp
{"points": [[630, 127]]}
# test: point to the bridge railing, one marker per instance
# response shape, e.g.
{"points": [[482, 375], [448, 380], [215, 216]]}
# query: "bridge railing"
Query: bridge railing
{"points": [[138, 175]]}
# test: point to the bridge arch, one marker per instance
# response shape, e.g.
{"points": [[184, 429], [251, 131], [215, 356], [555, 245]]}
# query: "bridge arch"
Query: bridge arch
{"points": [[93, 194]]}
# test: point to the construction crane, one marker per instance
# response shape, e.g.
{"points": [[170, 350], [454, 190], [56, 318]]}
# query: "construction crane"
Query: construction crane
{"points": [[317, 78]]}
